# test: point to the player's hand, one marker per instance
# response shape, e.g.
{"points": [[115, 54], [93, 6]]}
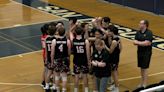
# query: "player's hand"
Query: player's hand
{"points": [[101, 64], [94, 63], [135, 42]]}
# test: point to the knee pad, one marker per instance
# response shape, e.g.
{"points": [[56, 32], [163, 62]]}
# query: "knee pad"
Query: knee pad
{"points": [[57, 78], [64, 78]]}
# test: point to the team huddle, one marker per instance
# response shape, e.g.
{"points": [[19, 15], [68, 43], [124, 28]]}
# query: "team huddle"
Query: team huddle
{"points": [[96, 51]]}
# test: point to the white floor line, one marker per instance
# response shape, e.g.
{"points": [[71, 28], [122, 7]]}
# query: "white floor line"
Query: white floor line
{"points": [[20, 25], [19, 84], [37, 84], [132, 78], [38, 10], [20, 54], [16, 89]]}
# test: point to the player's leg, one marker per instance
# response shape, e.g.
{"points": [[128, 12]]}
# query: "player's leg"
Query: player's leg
{"points": [[76, 70], [48, 79], [115, 78], [144, 75], [94, 84], [76, 85], [44, 74], [85, 71], [64, 81], [57, 81], [85, 79]]}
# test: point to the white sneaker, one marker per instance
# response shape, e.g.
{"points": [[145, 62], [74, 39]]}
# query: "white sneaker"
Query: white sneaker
{"points": [[46, 87], [116, 89], [111, 87], [53, 88], [140, 85]]}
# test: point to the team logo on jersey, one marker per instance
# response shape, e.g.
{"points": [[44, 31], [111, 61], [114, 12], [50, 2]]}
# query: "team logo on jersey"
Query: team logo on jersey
{"points": [[96, 55]]}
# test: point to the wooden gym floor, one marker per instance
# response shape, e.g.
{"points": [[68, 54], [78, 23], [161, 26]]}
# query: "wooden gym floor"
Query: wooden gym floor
{"points": [[21, 68]]}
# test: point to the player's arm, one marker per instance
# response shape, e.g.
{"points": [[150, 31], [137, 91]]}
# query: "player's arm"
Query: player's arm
{"points": [[43, 42], [45, 52], [103, 30], [53, 50], [88, 50], [142, 43], [112, 47], [69, 47], [120, 45], [91, 38]]}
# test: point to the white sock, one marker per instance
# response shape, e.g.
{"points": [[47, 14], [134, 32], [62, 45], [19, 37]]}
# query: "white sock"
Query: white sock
{"points": [[86, 89], [58, 89], [63, 89], [75, 89], [47, 85], [54, 86]]}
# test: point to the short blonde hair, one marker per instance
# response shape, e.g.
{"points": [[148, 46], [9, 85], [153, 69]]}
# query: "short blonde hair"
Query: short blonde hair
{"points": [[99, 42]]}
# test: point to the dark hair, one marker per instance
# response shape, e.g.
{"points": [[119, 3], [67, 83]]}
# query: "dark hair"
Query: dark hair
{"points": [[61, 31], [98, 30], [51, 30], [74, 19], [146, 22], [44, 29], [106, 19], [79, 30], [113, 29], [52, 24], [83, 24]]}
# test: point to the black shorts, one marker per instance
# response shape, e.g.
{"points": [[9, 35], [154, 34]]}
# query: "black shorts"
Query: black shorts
{"points": [[114, 66], [45, 65], [144, 60], [77, 69], [61, 65]]}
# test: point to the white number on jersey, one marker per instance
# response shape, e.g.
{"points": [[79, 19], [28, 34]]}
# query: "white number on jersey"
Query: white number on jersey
{"points": [[49, 47], [80, 49], [61, 48]]}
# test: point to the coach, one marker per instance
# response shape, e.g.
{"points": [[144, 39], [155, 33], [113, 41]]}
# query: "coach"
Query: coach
{"points": [[143, 40]]}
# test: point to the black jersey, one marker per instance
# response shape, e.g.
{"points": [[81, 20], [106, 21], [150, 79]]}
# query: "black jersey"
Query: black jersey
{"points": [[115, 55], [48, 42], [61, 48], [79, 51], [103, 56]]}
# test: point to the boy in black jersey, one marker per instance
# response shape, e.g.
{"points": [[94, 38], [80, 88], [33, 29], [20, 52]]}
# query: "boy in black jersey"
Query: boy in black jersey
{"points": [[101, 66], [81, 52], [48, 41], [114, 51], [60, 55]]}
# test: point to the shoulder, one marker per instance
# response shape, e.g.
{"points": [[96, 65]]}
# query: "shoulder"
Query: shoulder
{"points": [[149, 32]]}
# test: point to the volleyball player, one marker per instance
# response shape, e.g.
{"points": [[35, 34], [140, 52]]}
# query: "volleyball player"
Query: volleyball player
{"points": [[44, 29], [114, 51], [81, 52], [60, 55], [48, 42]]}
